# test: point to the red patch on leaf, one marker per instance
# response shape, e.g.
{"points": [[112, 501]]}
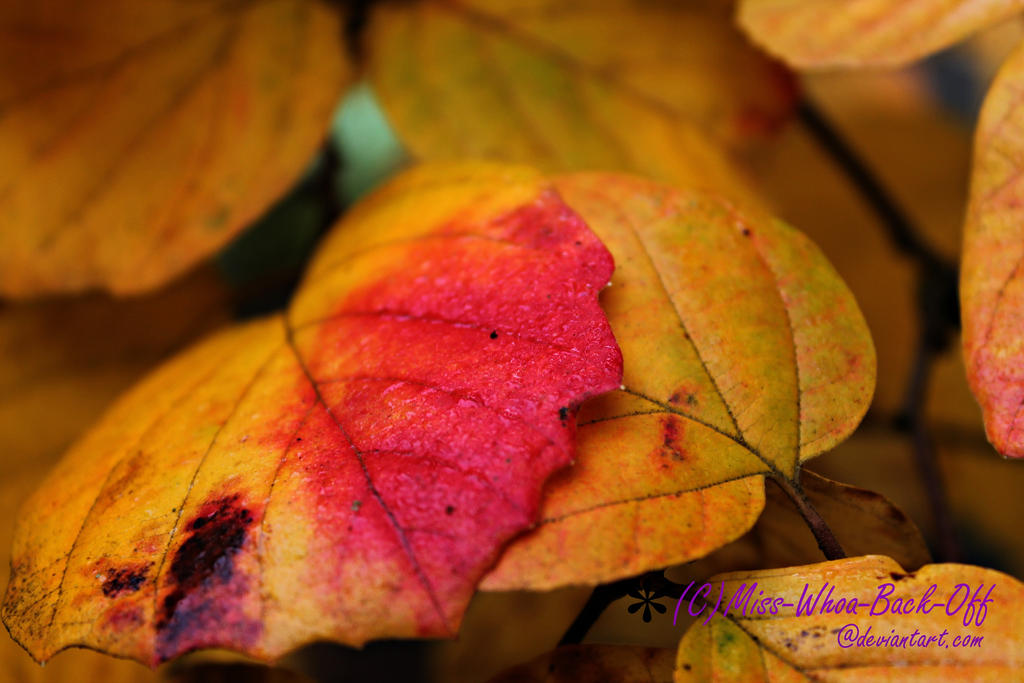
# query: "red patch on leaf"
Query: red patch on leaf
{"points": [[441, 463]]}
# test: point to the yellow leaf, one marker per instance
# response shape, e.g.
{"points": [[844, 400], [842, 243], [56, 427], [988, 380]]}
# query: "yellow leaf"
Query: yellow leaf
{"points": [[816, 34], [138, 138], [655, 88], [824, 645], [744, 355]]}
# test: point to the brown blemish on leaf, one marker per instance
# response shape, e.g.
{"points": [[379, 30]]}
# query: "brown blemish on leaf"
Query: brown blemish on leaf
{"points": [[217, 533], [201, 608], [126, 579]]}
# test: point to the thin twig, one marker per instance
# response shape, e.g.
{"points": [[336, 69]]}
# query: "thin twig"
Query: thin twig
{"points": [[937, 308], [913, 420], [604, 595], [900, 228]]}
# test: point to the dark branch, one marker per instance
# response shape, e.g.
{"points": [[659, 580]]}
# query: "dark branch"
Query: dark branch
{"points": [[938, 314]]}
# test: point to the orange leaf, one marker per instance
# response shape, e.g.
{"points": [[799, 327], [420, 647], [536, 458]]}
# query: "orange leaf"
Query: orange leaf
{"points": [[349, 470], [744, 355], [991, 282], [748, 646], [137, 138], [655, 88], [595, 664], [813, 33]]}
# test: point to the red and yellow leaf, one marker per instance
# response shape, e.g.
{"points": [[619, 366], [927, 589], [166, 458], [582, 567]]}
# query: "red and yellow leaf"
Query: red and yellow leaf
{"points": [[818, 33], [747, 646], [346, 471], [991, 281], [138, 138], [744, 355], [657, 88]]}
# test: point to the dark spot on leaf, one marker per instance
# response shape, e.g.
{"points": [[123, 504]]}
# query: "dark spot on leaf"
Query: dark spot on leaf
{"points": [[563, 414], [356, 504], [746, 232], [125, 579], [691, 400], [217, 533], [494, 334], [669, 432], [686, 667], [449, 510]]}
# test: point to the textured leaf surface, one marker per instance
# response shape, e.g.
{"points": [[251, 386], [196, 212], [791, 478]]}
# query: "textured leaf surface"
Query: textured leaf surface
{"points": [[595, 664], [744, 355], [991, 281], [349, 470], [651, 87], [823, 33], [137, 138], [786, 647]]}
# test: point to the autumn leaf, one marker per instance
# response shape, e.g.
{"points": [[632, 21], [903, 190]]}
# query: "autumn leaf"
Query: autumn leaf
{"points": [[744, 356], [991, 284], [862, 521], [346, 471], [61, 363], [81, 665], [658, 88], [822, 646], [139, 138], [852, 33], [983, 492], [595, 664]]}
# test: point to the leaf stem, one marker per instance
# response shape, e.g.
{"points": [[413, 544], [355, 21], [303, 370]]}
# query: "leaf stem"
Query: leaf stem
{"points": [[823, 534]]}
